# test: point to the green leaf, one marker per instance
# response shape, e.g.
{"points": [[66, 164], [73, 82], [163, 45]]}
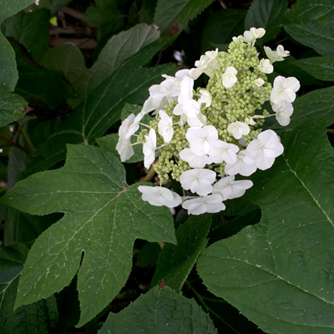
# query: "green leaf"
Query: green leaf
{"points": [[105, 16], [177, 11], [32, 319], [221, 26], [266, 14], [57, 5], [289, 68], [69, 60], [103, 217], [8, 9], [233, 226], [25, 26], [12, 259], [146, 12], [160, 311], [311, 22], [148, 255], [176, 261], [315, 105], [8, 71], [11, 107], [36, 318], [321, 68], [278, 273], [37, 84], [91, 120]]}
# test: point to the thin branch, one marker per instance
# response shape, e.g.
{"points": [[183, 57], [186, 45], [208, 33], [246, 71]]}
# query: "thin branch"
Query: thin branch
{"points": [[13, 143], [74, 13]]}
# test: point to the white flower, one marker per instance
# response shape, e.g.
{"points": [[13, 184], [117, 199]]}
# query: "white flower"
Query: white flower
{"points": [[284, 89], [160, 196], [238, 129], [277, 55], [165, 126], [222, 151], [194, 160], [265, 66], [281, 53], [198, 181], [125, 149], [236, 38], [135, 125], [149, 148], [253, 34], [205, 64], [197, 121], [205, 98], [157, 94], [124, 146], [191, 108], [244, 166], [259, 82], [229, 77], [201, 140], [283, 112], [265, 149], [210, 204], [186, 89], [229, 189], [250, 121]]}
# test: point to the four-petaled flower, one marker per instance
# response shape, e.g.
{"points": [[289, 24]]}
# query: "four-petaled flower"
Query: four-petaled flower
{"points": [[159, 196], [265, 149], [284, 89], [198, 181], [199, 205], [238, 129]]}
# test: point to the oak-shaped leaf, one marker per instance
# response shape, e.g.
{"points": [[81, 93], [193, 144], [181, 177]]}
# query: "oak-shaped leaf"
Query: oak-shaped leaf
{"points": [[103, 217], [163, 311], [279, 273]]}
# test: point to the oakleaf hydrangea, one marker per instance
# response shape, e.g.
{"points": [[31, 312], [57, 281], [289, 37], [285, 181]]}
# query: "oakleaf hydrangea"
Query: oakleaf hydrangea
{"points": [[210, 139]]}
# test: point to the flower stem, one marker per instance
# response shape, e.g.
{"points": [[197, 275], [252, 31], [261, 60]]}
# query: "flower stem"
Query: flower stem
{"points": [[150, 174]]}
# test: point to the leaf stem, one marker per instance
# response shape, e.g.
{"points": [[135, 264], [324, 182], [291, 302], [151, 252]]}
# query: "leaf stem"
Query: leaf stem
{"points": [[150, 174], [27, 138]]}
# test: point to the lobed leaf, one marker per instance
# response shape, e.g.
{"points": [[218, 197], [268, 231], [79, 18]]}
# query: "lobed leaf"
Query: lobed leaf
{"points": [[103, 217], [160, 311], [279, 273]]}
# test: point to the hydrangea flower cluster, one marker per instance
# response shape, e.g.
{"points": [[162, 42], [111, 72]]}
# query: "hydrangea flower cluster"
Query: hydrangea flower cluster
{"points": [[209, 136]]}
